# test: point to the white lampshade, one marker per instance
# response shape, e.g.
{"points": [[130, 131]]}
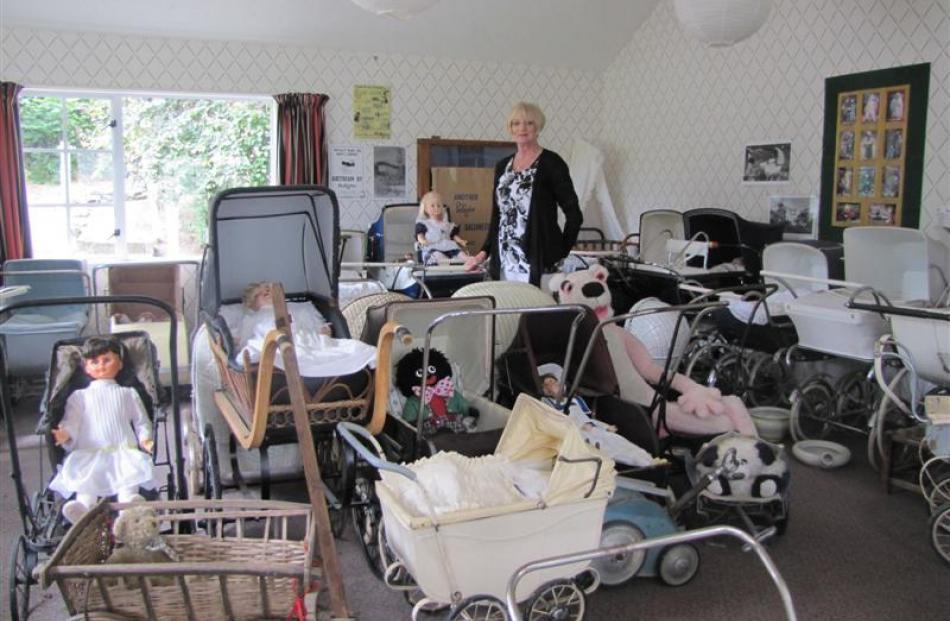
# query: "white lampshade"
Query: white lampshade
{"points": [[720, 23], [402, 9]]}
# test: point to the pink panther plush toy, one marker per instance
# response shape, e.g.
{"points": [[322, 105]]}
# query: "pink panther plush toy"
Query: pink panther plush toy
{"points": [[699, 409]]}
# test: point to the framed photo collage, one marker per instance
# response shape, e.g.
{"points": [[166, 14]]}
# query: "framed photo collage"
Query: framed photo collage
{"points": [[873, 149], [869, 156]]}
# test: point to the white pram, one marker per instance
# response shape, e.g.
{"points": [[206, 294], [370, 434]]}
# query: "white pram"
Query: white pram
{"points": [[882, 265], [463, 558]]}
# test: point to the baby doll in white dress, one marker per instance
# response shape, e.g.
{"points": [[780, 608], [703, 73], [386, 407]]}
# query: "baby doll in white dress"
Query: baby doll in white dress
{"points": [[107, 434], [601, 435], [439, 238], [258, 320]]}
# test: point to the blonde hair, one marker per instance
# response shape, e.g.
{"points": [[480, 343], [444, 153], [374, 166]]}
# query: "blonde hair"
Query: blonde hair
{"points": [[251, 291], [422, 203], [529, 111]]}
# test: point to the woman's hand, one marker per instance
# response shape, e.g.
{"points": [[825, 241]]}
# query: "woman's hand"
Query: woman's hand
{"points": [[472, 263], [148, 446], [60, 436]]}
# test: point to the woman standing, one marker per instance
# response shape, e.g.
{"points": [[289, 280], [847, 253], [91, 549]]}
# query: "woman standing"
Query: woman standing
{"points": [[524, 239]]}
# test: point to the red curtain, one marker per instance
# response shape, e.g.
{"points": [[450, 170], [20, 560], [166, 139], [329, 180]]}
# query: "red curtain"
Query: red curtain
{"points": [[301, 147], [15, 238]]}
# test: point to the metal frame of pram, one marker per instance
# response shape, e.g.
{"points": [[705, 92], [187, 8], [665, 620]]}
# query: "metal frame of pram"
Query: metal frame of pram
{"points": [[774, 511], [512, 612], [933, 469], [40, 512]]}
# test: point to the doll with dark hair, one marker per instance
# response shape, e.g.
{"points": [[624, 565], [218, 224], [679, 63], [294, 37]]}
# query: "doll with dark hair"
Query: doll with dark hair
{"points": [[107, 434], [446, 407]]}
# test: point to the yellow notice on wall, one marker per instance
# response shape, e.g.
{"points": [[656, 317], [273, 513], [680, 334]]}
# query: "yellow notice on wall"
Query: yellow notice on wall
{"points": [[372, 111]]}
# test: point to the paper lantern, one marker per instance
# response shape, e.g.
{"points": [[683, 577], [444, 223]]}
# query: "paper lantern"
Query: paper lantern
{"points": [[720, 23], [402, 9]]}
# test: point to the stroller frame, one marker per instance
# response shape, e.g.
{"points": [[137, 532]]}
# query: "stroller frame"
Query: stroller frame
{"points": [[40, 512]]}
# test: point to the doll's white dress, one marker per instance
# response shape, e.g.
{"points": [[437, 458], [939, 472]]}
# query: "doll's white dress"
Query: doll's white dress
{"points": [[103, 449]]}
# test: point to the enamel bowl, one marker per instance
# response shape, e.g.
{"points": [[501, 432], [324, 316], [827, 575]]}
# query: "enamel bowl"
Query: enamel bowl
{"points": [[772, 423]]}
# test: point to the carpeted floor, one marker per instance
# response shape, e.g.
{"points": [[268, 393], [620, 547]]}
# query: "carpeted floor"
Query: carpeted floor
{"points": [[850, 552]]}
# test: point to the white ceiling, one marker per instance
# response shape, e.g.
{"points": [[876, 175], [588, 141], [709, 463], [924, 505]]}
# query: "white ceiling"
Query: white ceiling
{"points": [[581, 34]]}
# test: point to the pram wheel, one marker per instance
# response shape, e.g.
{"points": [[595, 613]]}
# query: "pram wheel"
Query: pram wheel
{"points": [[560, 600], [935, 481], [367, 517], [479, 608], [729, 374], [813, 410], [853, 396], [767, 382], [210, 465], [334, 471], [619, 568], [22, 562], [940, 531], [678, 564]]}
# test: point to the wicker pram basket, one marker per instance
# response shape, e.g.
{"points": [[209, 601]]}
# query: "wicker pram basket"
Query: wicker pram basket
{"points": [[238, 560]]}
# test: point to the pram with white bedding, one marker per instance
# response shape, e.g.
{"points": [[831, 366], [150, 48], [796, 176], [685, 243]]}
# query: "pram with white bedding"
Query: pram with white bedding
{"points": [[463, 558], [242, 401]]}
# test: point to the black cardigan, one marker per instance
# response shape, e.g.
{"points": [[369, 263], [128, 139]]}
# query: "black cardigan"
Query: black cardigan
{"points": [[544, 243]]}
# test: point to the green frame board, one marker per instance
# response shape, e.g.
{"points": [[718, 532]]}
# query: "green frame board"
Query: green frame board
{"points": [[914, 82]]}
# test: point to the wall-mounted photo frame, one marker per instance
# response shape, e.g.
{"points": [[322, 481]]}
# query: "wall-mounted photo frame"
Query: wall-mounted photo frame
{"points": [[873, 149], [797, 214], [767, 162]]}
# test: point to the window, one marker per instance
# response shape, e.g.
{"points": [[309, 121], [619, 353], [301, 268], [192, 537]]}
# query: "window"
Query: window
{"points": [[117, 175]]}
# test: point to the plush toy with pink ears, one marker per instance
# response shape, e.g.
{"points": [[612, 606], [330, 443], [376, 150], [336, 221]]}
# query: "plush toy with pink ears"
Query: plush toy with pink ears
{"points": [[699, 410]]}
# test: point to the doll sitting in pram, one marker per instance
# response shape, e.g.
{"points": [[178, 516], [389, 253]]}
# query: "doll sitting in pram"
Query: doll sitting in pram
{"points": [[598, 434], [438, 239], [107, 433]]}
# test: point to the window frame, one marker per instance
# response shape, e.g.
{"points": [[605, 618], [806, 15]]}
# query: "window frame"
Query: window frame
{"points": [[115, 98]]}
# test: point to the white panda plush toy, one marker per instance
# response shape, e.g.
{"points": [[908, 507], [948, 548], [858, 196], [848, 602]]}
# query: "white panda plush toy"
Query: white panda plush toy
{"points": [[753, 468]]}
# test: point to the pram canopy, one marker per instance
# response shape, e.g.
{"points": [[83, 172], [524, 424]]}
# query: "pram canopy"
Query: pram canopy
{"points": [[296, 231]]}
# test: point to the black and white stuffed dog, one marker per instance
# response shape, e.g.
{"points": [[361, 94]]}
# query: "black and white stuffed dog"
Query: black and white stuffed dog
{"points": [[750, 467]]}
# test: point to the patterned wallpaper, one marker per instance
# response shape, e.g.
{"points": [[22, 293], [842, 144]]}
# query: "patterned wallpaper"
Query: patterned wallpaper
{"points": [[431, 97], [672, 116], [677, 114]]}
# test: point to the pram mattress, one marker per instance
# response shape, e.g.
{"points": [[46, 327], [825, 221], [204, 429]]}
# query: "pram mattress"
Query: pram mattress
{"points": [[824, 323]]}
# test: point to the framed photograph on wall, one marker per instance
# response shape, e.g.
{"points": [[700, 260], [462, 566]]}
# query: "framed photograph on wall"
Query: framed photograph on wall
{"points": [[873, 149], [798, 214], [767, 162]]}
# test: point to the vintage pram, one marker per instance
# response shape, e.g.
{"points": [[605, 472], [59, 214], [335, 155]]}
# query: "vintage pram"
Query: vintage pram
{"points": [[912, 369], [40, 509], [464, 330], [243, 407], [883, 265], [463, 558]]}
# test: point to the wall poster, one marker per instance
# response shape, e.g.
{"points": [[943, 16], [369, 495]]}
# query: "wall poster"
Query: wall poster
{"points": [[389, 172], [873, 149], [372, 112], [347, 179]]}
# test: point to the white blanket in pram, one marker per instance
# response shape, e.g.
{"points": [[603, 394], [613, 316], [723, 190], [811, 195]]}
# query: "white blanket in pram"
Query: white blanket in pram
{"points": [[453, 482]]}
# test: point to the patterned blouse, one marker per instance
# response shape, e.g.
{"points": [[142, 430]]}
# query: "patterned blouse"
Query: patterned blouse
{"points": [[514, 201]]}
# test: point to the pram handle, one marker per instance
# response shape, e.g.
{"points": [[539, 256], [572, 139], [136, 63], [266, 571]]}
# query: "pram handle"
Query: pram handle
{"points": [[514, 610], [349, 431], [584, 460], [588, 350], [903, 311]]}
